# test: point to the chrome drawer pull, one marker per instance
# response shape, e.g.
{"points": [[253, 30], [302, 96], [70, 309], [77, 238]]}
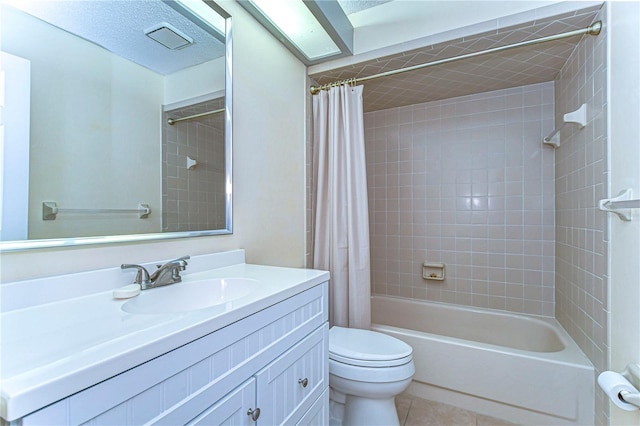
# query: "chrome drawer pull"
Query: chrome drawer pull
{"points": [[304, 382], [254, 414]]}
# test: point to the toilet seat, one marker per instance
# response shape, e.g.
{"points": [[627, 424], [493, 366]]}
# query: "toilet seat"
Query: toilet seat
{"points": [[365, 348], [371, 375]]}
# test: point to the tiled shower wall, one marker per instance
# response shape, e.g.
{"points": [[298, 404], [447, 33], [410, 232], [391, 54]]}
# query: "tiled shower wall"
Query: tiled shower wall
{"points": [[466, 182], [194, 199], [581, 229]]}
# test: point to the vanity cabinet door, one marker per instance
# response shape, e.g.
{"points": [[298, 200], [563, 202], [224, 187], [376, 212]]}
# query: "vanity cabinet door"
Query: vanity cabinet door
{"points": [[232, 409], [288, 387], [318, 414]]}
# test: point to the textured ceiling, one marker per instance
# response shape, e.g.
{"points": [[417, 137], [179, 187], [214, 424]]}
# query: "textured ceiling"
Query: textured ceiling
{"points": [[119, 26], [515, 67]]}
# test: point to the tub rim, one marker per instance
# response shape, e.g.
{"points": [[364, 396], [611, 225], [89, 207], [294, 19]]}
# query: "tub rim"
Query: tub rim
{"points": [[570, 355]]}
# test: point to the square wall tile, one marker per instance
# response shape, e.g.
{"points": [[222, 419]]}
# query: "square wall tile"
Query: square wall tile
{"points": [[464, 181]]}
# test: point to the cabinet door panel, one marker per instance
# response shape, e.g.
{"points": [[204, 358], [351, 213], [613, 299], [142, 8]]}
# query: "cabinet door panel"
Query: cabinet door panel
{"points": [[232, 409], [318, 414], [289, 386]]}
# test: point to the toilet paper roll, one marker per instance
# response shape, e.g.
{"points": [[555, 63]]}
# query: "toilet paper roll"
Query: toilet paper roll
{"points": [[612, 384]]}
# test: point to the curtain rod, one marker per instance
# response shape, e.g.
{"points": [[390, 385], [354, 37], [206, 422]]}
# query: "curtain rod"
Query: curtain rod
{"points": [[593, 29], [172, 121]]}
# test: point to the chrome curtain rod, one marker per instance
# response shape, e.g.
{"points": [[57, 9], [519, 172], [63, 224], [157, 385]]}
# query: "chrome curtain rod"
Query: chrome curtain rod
{"points": [[172, 121], [593, 29]]}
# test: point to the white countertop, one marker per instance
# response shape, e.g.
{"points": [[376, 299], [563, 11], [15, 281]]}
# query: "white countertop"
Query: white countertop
{"points": [[52, 350]]}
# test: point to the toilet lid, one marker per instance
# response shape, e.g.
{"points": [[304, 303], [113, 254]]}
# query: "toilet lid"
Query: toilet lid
{"points": [[367, 348]]}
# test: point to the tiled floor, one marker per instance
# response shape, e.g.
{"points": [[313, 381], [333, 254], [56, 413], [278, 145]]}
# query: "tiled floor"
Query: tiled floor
{"points": [[413, 411]]}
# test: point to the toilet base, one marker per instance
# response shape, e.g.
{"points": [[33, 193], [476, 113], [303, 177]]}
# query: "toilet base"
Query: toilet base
{"points": [[336, 413], [349, 410], [363, 414], [370, 412]]}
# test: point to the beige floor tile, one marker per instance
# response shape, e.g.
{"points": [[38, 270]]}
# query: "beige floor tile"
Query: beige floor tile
{"points": [[428, 413], [414, 411], [403, 405]]}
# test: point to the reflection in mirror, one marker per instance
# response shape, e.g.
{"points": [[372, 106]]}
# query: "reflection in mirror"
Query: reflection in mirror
{"points": [[116, 121], [193, 167]]}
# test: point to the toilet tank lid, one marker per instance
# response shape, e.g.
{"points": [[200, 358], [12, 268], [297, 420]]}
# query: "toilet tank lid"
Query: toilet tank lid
{"points": [[366, 345]]}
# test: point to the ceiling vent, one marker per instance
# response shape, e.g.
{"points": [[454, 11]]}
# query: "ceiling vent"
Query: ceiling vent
{"points": [[168, 36]]}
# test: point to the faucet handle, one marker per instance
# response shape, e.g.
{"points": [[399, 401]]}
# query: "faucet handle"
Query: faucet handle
{"points": [[142, 277], [181, 262]]}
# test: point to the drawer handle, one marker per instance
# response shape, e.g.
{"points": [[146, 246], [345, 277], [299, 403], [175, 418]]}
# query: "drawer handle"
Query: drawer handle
{"points": [[254, 414], [304, 382]]}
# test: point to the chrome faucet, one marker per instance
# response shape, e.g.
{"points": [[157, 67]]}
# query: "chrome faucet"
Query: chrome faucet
{"points": [[169, 273]]}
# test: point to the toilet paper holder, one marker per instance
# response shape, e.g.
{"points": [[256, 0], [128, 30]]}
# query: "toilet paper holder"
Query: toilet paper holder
{"points": [[631, 395]]}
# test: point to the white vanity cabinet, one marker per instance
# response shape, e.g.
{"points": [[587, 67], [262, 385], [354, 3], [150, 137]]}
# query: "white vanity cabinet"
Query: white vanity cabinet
{"points": [[275, 360]]}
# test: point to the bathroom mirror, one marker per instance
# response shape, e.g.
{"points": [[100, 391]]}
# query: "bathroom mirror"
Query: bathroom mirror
{"points": [[116, 121]]}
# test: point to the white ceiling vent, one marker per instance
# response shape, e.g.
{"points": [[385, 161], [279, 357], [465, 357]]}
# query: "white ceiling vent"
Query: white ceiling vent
{"points": [[168, 36]]}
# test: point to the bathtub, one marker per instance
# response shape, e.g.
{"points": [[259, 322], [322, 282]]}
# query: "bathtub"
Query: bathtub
{"points": [[519, 368]]}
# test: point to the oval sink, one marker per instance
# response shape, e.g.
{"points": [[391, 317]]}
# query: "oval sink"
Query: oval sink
{"points": [[189, 296]]}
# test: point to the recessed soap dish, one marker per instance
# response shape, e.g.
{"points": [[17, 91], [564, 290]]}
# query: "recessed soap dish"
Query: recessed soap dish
{"points": [[433, 271]]}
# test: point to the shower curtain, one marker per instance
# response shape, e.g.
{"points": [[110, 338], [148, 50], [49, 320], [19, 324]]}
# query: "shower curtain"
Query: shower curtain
{"points": [[341, 234]]}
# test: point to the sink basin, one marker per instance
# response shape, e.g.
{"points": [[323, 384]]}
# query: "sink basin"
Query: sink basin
{"points": [[189, 296]]}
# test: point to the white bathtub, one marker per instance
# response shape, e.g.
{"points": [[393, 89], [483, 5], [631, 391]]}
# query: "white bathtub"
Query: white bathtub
{"points": [[519, 368]]}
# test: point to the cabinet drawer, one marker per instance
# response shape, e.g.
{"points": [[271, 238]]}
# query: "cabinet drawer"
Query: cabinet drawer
{"points": [[288, 387]]}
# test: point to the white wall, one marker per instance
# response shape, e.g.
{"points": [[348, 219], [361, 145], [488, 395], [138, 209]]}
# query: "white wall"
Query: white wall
{"points": [[15, 101], [194, 81], [268, 158], [95, 115], [624, 166]]}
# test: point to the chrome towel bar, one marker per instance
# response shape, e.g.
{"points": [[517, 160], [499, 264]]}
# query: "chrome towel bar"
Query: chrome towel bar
{"points": [[619, 205], [50, 210]]}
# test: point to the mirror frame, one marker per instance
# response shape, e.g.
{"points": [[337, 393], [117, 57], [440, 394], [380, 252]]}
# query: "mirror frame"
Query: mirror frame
{"points": [[6, 246]]}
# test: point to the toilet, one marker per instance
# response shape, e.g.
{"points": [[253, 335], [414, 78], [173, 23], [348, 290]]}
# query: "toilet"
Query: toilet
{"points": [[366, 371]]}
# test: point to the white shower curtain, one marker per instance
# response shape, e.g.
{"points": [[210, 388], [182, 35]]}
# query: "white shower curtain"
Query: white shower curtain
{"points": [[341, 234]]}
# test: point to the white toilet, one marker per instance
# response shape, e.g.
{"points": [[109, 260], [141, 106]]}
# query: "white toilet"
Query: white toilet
{"points": [[366, 371]]}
